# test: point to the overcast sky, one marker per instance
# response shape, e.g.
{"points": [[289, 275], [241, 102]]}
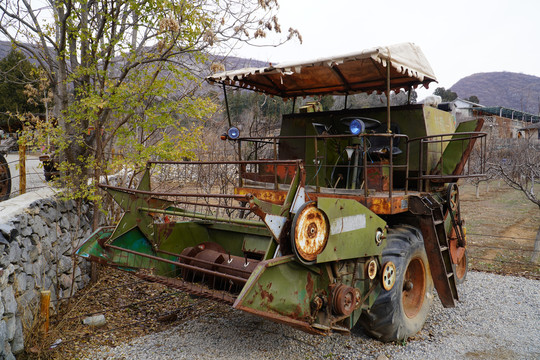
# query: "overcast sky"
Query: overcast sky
{"points": [[458, 37]]}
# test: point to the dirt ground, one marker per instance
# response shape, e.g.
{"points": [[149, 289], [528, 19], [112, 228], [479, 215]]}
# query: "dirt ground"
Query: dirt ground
{"points": [[132, 307], [501, 228]]}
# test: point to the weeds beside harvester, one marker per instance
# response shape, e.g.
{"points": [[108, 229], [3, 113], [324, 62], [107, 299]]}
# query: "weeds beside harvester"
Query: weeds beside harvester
{"points": [[346, 217]]}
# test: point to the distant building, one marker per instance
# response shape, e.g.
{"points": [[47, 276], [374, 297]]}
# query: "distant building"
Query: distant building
{"points": [[531, 131], [500, 122], [509, 123]]}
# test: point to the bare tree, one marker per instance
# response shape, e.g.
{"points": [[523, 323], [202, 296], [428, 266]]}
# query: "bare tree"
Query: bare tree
{"points": [[98, 46], [519, 166], [129, 71], [487, 163]]}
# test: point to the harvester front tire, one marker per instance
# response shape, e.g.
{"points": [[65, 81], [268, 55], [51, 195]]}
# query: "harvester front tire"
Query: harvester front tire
{"points": [[401, 312]]}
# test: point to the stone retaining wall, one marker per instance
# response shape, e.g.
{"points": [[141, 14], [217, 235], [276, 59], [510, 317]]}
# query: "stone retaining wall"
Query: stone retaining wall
{"points": [[36, 245]]}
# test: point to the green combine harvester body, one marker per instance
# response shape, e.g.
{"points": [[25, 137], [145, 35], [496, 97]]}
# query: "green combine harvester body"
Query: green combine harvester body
{"points": [[345, 217]]}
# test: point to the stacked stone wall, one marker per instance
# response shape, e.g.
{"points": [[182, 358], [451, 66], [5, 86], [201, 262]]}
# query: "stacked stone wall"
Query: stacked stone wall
{"points": [[36, 247]]}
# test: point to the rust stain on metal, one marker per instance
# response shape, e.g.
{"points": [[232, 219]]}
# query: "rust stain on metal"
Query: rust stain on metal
{"points": [[456, 252], [164, 230], [295, 323], [269, 172], [309, 286], [311, 233], [379, 203], [254, 208], [272, 196], [265, 295], [376, 178], [343, 300], [192, 288]]}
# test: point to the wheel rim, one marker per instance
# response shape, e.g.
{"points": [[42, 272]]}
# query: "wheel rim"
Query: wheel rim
{"points": [[461, 267], [414, 287]]}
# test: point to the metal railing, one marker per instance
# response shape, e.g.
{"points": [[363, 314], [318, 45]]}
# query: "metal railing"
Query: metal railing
{"points": [[20, 173], [360, 161], [453, 152]]}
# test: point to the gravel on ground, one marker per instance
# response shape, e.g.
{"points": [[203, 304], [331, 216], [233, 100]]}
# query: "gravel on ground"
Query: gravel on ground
{"points": [[497, 317]]}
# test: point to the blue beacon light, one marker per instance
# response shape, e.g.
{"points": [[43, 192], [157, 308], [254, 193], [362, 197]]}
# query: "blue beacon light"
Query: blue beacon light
{"points": [[233, 133], [357, 126]]}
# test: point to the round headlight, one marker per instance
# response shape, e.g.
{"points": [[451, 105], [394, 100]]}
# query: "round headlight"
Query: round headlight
{"points": [[309, 233], [233, 133], [357, 126]]}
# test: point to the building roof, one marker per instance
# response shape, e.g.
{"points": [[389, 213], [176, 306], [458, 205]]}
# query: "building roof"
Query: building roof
{"points": [[531, 126], [509, 113]]}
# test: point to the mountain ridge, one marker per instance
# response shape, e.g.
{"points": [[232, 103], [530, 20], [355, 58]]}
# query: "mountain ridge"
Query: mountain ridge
{"points": [[512, 90]]}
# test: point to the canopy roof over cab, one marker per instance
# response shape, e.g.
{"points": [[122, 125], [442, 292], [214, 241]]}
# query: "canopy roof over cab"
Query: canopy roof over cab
{"points": [[348, 74]]}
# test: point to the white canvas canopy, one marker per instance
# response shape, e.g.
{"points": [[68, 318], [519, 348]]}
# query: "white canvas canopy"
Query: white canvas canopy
{"points": [[348, 74]]}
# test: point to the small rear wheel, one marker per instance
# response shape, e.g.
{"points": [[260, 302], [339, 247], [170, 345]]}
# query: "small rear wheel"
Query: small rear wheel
{"points": [[401, 312], [461, 269]]}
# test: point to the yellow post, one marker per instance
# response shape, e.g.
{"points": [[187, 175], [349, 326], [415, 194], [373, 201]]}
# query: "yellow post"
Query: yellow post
{"points": [[44, 311], [22, 169]]}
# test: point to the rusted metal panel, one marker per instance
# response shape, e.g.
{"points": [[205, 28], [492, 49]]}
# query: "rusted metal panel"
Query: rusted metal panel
{"points": [[435, 248], [189, 287], [269, 173], [282, 290], [271, 196], [436, 262], [368, 70], [378, 176], [379, 203], [353, 230]]}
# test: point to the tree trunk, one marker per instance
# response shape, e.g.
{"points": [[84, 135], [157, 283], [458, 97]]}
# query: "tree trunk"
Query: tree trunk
{"points": [[536, 252], [477, 190]]}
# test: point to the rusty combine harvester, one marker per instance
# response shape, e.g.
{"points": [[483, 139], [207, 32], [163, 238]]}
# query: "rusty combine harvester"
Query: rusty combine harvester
{"points": [[346, 217]]}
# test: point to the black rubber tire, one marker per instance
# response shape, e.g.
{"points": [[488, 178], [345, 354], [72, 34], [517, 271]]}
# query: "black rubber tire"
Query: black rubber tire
{"points": [[5, 179], [387, 320]]}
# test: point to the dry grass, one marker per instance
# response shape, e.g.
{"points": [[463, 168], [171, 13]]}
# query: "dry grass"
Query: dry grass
{"points": [[133, 309], [501, 229]]}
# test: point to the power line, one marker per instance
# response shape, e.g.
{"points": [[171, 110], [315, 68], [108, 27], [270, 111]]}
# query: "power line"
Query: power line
{"points": [[498, 247], [500, 236]]}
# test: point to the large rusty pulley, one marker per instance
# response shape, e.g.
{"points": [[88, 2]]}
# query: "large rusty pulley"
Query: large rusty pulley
{"points": [[309, 233], [345, 299]]}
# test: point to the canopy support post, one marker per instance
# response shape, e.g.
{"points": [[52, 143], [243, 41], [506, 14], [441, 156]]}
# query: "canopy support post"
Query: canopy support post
{"points": [[388, 95], [227, 105]]}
